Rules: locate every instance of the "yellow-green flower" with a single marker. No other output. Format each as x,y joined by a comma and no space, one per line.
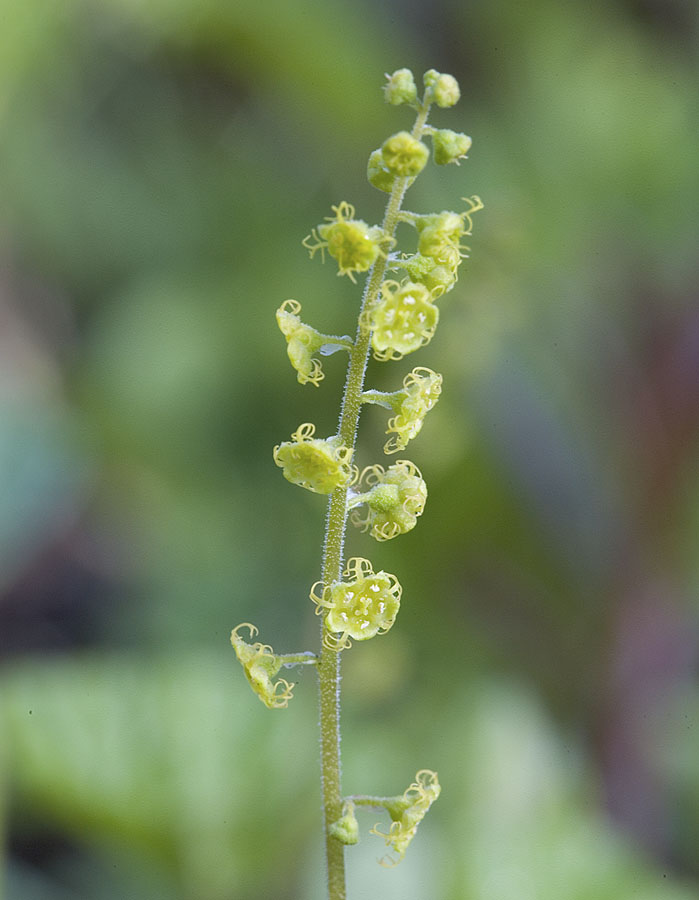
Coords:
439,238
445,229
421,390
443,251
393,499
303,342
261,666
354,244
404,319
440,250
407,812
448,225
318,465
365,603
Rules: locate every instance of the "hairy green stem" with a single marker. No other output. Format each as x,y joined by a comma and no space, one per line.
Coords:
329,660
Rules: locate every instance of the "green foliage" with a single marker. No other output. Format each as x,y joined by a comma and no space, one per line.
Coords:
153,760
165,766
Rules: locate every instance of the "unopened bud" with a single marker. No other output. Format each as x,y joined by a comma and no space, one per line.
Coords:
443,88
400,87
404,155
450,146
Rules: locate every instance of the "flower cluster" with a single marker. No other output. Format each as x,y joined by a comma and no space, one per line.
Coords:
354,244
440,250
261,666
407,812
393,500
365,603
403,155
315,464
397,317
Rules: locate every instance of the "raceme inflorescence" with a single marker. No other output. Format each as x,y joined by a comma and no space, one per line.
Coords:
398,315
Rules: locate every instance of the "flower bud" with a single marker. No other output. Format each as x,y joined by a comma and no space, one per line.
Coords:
437,278
402,321
346,829
317,465
444,89
449,146
365,603
404,155
378,174
400,87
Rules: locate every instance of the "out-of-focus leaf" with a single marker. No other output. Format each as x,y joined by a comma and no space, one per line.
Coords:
45,469
175,759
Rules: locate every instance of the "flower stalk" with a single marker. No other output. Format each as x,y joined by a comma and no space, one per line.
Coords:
336,524
354,601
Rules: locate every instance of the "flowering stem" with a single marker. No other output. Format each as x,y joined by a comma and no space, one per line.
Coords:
329,660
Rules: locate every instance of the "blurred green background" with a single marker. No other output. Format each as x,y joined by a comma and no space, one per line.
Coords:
160,164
